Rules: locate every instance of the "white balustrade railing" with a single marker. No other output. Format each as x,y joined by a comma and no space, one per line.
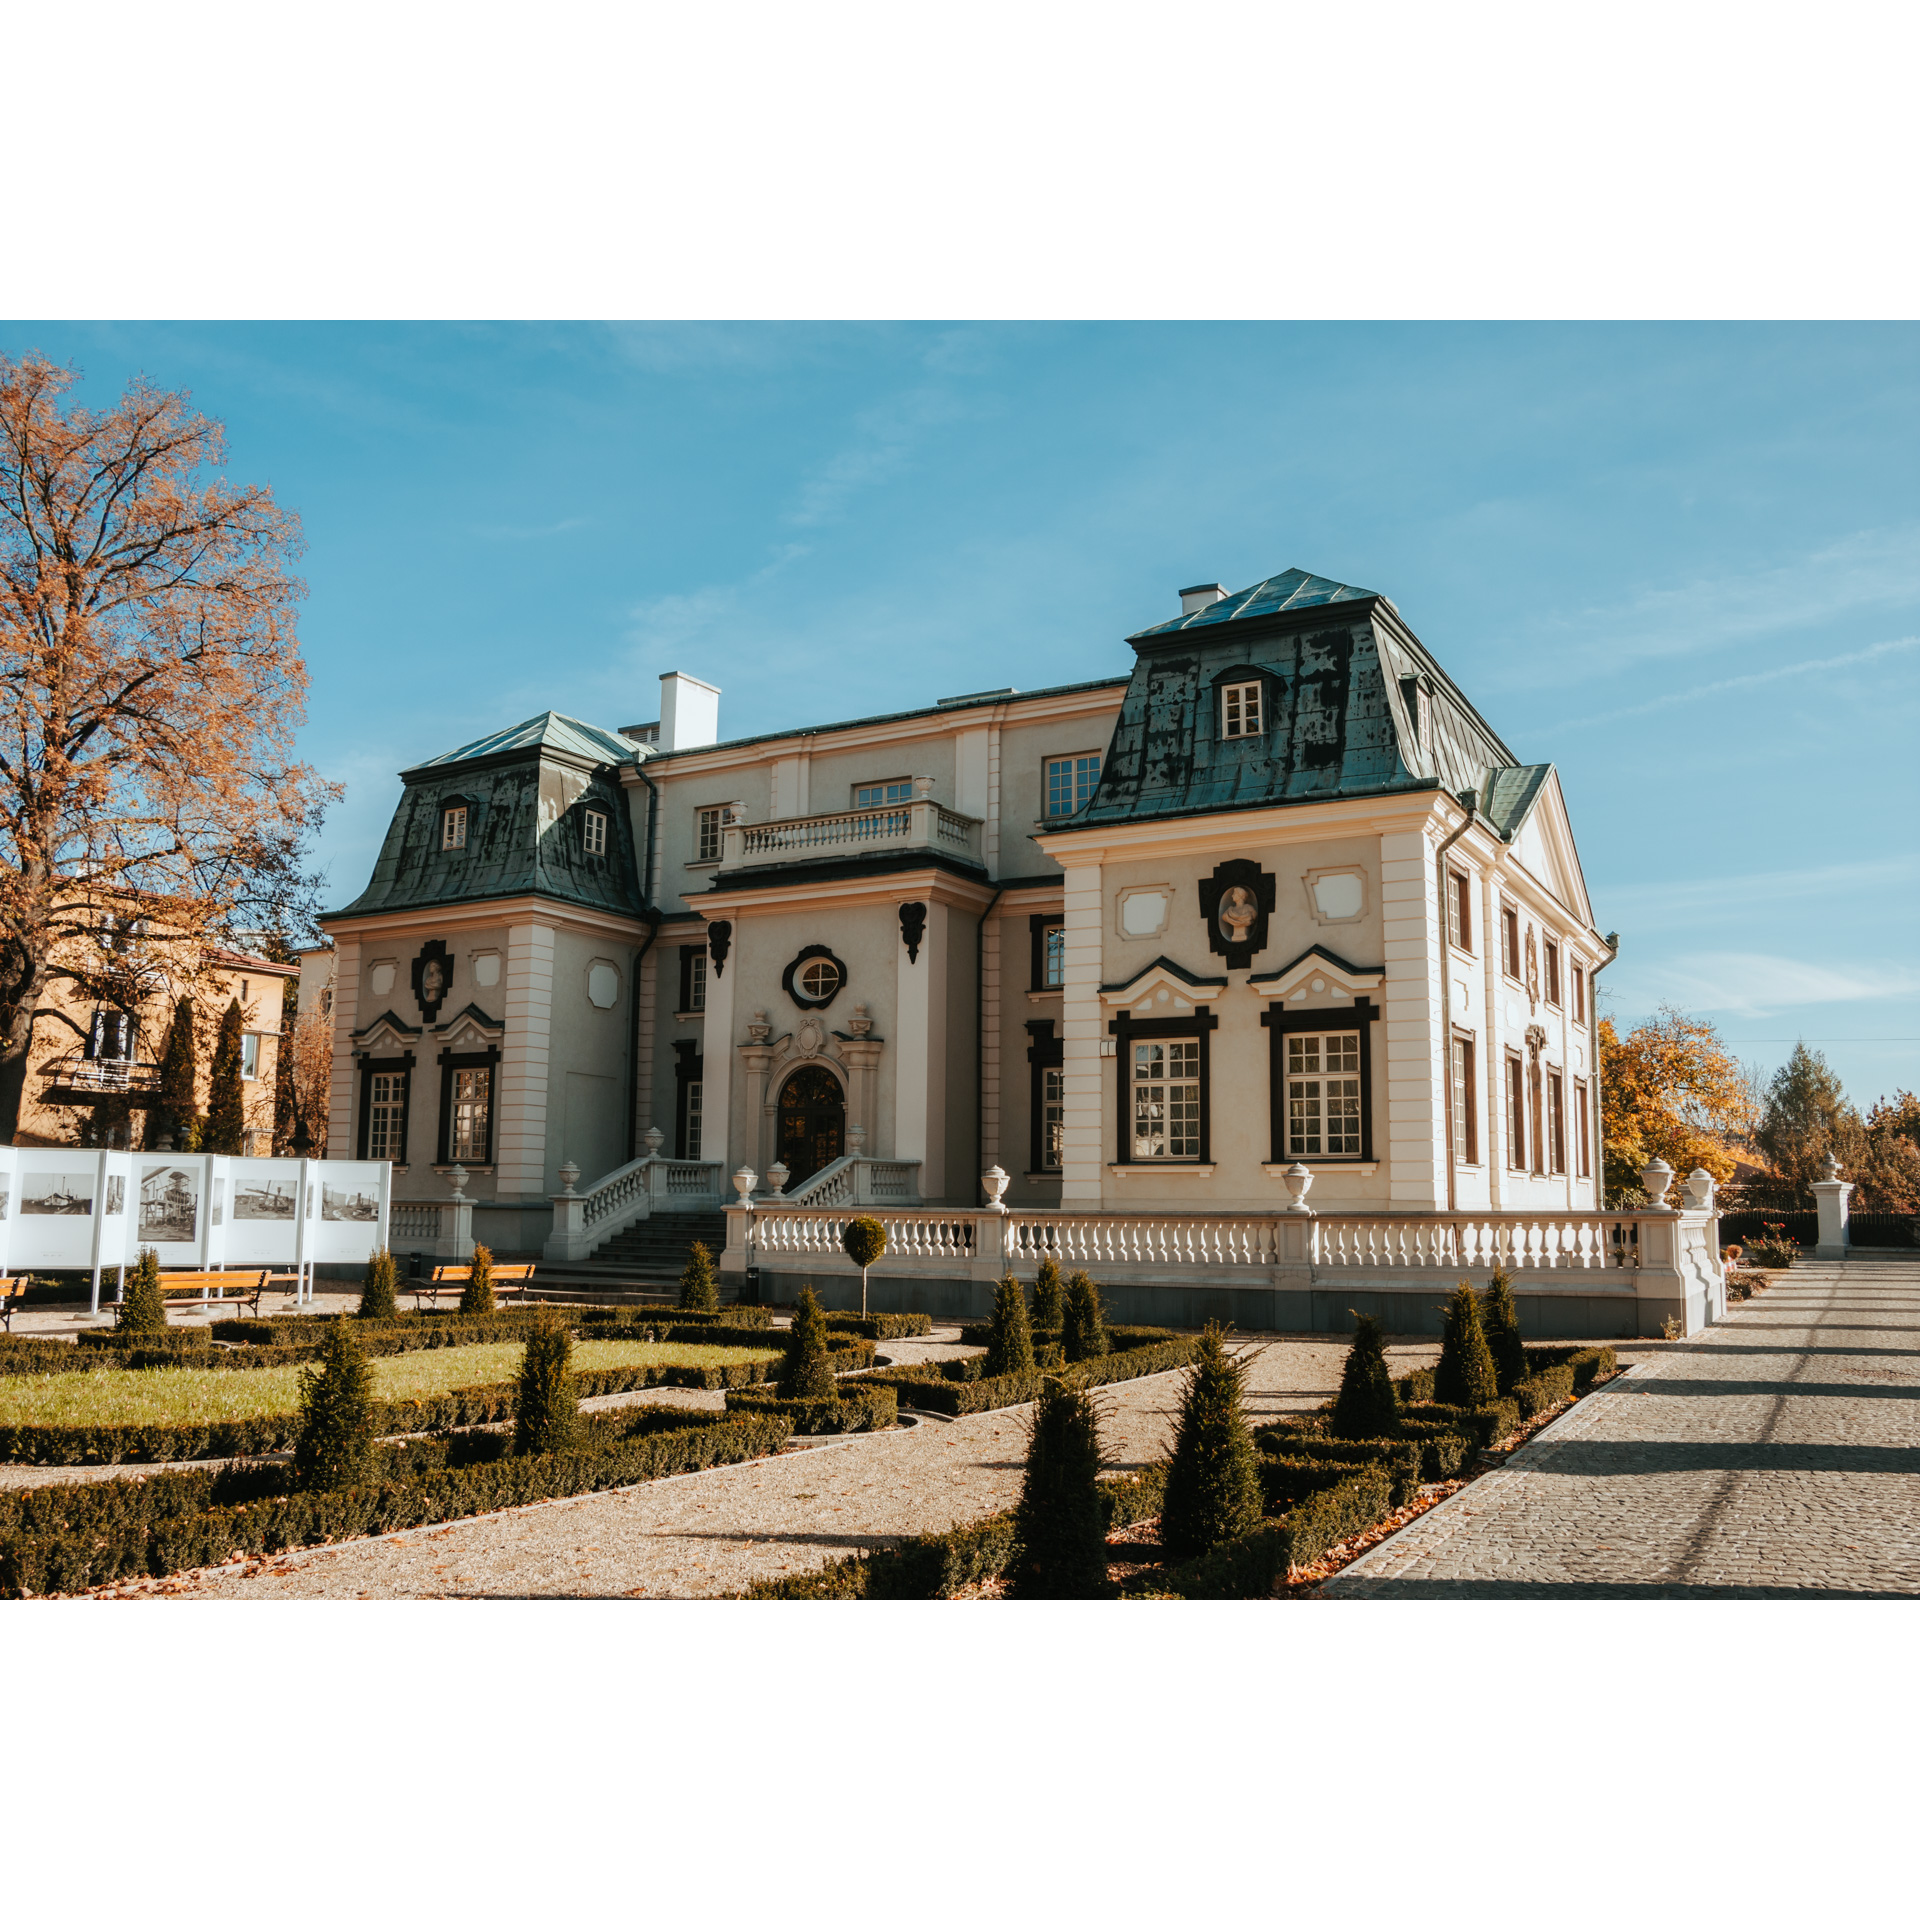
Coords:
920,822
587,1218
922,1234
854,1181
415,1219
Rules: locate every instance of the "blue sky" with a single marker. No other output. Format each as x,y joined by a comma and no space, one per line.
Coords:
1680,561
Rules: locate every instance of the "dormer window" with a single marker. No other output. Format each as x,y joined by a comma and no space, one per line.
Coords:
594,835
1242,711
453,829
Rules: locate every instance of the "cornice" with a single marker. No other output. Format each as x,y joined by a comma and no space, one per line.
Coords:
521,909
1258,828
925,883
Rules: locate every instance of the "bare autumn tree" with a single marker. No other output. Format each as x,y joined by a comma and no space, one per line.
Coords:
150,686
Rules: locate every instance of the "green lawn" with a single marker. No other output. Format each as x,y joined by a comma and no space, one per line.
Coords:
166,1395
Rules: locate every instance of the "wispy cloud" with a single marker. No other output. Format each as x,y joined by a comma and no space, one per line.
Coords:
1759,984
1669,903
671,621
884,440
1739,682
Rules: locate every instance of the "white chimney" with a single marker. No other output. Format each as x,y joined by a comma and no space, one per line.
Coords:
1196,599
689,712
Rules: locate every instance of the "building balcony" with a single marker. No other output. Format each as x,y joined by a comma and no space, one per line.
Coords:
919,825
79,1083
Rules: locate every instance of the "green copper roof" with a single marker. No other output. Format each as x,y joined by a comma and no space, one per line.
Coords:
1282,594
552,730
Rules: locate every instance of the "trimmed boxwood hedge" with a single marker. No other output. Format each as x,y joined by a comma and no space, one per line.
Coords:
175,1339
1590,1365
856,1408
1248,1568
943,1388
1544,1389
1294,1463
65,1539
881,1326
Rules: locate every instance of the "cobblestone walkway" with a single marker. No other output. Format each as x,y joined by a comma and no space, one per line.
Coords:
1777,1455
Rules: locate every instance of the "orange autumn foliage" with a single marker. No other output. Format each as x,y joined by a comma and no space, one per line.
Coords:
1669,1090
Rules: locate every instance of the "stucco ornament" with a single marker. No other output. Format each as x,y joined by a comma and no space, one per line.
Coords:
1533,974
1237,915
432,978
809,1036
1236,901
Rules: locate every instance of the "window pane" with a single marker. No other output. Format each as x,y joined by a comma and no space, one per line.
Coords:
249,1056
1053,1109
472,1100
453,827
710,824
386,1111
1323,1094
596,833
697,984
696,1093
1056,957
1166,1100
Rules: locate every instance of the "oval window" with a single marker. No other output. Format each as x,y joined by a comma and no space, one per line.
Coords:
818,980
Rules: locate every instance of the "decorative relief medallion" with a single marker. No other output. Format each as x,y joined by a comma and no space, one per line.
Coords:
1236,901
1533,974
432,978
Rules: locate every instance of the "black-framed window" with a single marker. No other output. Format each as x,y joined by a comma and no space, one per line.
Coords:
386,1089
1046,1054
1303,1079
693,979
1516,1112
689,1137
468,1083
1049,932
1466,1131
1163,1083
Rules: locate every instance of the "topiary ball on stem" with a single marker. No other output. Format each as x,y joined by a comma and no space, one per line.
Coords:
1213,1476
1465,1375
1060,1526
863,1240
477,1295
143,1307
1009,1338
1500,1315
379,1294
698,1293
1368,1408
808,1373
1083,1325
1049,1303
336,1445
547,1409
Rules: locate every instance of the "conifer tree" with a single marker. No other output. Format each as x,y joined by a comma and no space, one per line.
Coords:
547,1413
1009,1338
1500,1316
226,1126
1083,1328
177,1113
379,1293
336,1444
808,1373
477,1295
1368,1407
1465,1375
698,1294
143,1307
1060,1526
1048,1303
1213,1478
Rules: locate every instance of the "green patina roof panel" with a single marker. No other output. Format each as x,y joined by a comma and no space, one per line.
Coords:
555,730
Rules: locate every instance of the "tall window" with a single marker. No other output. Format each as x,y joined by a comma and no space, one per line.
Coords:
693,979
885,793
691,1124
1166,1099
1579,991
453,828
472,1132
593,835
1459,910
1054,959
1241,713
387,1117
1556,1122
1323,1094
1053,1117
1070,783
1551,949
709,827
1538,1102
1583,1131
1510,942
249,1056
1466,1145
1516,1113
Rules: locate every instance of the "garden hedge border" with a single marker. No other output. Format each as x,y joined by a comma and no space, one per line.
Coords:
856,1408
935,1390
881,1326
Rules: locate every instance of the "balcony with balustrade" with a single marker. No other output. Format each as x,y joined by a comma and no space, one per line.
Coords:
76,1082
920,825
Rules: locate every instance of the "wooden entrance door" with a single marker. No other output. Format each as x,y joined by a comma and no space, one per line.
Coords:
813,1123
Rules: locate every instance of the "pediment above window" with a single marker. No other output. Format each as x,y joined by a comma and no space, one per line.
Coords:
1319,976
383,1024
1162,988
471,1022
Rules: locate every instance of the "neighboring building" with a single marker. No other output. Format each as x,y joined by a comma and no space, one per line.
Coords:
1277,895
99,1086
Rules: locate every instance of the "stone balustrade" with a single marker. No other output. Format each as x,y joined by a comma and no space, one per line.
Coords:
918,823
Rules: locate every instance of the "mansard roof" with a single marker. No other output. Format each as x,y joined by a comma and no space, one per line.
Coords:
525,788
1342,673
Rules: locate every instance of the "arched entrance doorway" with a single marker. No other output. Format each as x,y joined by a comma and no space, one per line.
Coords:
813,1123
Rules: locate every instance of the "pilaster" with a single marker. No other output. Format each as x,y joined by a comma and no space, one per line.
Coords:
341,1144
520,1118
1416,1130
1081,1032
920,1070
716,1062
990,1041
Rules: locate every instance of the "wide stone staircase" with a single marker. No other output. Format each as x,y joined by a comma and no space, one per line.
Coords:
641,1265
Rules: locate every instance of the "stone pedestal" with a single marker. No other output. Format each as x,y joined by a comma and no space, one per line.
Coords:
1830,1196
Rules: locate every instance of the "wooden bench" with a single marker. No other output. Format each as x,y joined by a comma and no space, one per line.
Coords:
509,1283
12,1291
249,1285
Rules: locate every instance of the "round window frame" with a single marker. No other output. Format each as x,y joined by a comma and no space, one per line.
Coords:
790,980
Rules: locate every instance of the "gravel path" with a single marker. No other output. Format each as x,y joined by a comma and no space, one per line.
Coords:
1776,1455
705,1535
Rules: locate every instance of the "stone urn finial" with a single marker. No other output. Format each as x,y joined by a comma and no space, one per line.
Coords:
569,1176
744,1182
1298,1180
996,1180
653,1140
860,1021
923,786
457,1179
1834,1169
857,1141
1699,1190
777,1179
758,1027
1656,1176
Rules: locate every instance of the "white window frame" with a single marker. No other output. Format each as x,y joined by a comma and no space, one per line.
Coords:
869,795
453,829
709,831
1082,776
1053,959
1053,1118
1243,709
696,1115
1322,1069
697,981
249,1056
471,1119
593,834
1167,1128
386,1114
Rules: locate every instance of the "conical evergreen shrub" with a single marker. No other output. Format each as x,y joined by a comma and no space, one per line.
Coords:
379,1293
226,1125
808,1373
1368,1407
336,1448
143,1307
1009,1338
1049,1303
477,1295
1213,1477
698,1292
1465,1375
1060,1526
1083,1326
1501,1318
547,1413
177,1113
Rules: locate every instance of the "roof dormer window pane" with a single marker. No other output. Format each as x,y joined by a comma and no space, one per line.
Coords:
453,828
1240,711
594,835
